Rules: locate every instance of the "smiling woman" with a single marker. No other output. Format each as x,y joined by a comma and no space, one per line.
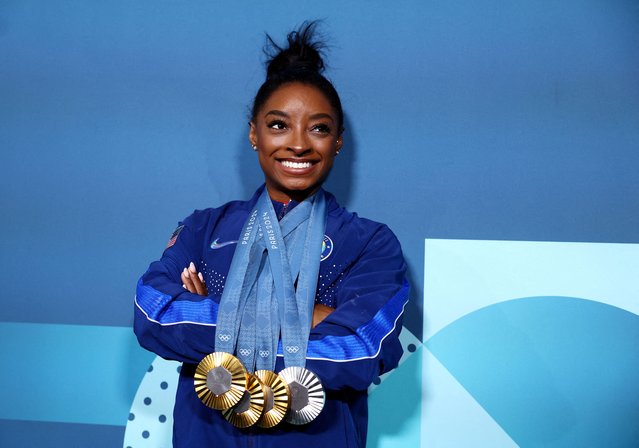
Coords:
297,136
284,308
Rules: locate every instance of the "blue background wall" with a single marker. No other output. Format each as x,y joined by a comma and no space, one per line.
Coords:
465,119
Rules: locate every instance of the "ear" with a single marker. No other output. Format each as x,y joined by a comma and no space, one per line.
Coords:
340,142
252,134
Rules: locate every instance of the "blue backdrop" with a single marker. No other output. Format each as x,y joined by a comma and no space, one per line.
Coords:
465,119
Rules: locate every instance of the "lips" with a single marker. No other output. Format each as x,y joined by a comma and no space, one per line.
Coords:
297,167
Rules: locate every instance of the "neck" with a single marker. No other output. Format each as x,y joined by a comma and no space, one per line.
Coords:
287,196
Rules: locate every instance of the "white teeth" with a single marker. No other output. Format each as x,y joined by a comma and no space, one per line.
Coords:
288,164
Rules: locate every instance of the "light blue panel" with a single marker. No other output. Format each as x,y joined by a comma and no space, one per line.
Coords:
462,276
69,373
451,417
552,371
520,362
394,407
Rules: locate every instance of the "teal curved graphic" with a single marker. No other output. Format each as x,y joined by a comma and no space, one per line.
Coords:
69,373
551,371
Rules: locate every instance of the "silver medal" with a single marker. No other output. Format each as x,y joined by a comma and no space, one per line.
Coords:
307,395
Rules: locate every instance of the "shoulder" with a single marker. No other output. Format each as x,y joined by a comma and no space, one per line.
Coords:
357,234
230,212
341,220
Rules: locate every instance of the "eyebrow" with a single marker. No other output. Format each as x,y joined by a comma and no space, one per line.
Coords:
316,116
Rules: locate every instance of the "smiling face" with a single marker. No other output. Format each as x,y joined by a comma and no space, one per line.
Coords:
297,136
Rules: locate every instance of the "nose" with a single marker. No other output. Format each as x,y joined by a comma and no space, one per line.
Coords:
299,142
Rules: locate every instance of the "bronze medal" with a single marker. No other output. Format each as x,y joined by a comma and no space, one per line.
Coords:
306,394
249,409
220,380
276,398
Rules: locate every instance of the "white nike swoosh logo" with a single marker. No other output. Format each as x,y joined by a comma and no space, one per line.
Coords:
216,245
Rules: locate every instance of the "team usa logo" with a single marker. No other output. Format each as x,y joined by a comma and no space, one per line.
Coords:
327,248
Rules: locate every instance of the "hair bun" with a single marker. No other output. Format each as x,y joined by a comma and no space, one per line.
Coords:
302,54
300,61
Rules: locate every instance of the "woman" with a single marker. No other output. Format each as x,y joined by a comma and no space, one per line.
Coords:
351,268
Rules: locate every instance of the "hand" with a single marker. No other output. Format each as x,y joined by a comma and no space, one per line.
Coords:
320,312
193,281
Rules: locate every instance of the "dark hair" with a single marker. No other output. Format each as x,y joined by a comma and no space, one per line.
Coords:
300,62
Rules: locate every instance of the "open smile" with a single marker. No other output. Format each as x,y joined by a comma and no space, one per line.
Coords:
296,165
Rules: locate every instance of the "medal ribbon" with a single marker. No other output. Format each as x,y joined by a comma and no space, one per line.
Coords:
260,284
295,303
238,284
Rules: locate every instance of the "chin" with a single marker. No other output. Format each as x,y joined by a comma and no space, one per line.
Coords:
299,193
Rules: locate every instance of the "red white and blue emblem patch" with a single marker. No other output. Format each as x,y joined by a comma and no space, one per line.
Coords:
174,237
327,248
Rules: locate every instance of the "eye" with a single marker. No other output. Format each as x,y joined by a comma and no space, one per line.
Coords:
321,128
276,124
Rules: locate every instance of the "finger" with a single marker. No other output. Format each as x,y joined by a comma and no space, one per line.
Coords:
187,281
197,279
193,282
198,282
204,288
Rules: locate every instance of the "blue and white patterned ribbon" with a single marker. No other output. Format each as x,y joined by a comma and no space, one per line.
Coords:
271,284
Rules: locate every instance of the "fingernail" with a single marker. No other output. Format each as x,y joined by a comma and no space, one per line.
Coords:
192,267
185,272
184,286
200,276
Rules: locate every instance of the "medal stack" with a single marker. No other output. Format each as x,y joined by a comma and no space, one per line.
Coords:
262,398
266,279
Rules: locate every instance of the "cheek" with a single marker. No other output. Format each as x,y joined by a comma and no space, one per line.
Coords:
270,140
262,159
329,151
328,162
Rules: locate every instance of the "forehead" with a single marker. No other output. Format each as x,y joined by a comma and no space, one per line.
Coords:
298,98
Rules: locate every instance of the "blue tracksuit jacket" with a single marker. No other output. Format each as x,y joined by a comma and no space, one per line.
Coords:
361,276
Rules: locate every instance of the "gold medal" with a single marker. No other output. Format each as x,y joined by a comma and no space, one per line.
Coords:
306,395
276,398
249,409
220,380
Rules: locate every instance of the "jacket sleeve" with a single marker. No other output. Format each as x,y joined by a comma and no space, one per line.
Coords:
360,340
169,320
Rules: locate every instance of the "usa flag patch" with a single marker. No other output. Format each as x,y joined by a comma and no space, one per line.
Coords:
174,237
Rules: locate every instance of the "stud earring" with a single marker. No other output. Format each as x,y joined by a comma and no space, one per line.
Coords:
254,147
